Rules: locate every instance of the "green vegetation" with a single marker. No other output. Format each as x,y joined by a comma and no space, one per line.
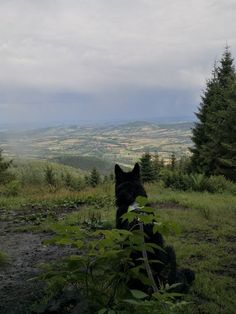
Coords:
206,242
86,163
147,168
94,178
103,273
178,175
214,138
5,176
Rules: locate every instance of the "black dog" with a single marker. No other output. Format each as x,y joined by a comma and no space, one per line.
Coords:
128,187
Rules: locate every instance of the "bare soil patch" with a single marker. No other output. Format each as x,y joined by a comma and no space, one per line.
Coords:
25,251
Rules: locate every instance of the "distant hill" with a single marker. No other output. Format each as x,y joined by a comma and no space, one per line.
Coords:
100,146
86,163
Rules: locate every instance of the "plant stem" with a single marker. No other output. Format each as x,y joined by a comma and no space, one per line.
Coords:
146,263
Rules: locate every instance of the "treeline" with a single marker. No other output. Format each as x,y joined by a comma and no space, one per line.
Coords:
179,174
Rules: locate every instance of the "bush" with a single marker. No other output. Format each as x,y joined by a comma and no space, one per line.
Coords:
196,182
50,176
175,179
30,175
5,175
219,184
12,188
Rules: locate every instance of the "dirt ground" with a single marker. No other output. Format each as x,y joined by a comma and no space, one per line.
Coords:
25,251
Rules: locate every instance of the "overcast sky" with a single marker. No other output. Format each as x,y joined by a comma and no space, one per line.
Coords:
73,60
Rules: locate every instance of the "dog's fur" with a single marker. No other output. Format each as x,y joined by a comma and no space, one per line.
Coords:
128,187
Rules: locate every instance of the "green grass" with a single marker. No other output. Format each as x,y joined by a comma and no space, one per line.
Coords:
48,198
196,200
205,244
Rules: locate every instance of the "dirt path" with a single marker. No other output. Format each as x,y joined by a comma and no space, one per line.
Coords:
25,250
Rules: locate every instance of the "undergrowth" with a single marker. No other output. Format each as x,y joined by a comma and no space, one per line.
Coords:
104,269
206,242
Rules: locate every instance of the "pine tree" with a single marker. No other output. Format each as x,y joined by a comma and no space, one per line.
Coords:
212,129
172,161
201,132
227,159
94,178
147,171
156,164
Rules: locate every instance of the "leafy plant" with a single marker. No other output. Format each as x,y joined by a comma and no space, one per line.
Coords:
104,269
199,182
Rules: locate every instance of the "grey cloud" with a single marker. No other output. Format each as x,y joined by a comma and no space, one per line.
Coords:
50,49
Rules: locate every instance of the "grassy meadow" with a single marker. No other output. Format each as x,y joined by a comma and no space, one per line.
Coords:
206,241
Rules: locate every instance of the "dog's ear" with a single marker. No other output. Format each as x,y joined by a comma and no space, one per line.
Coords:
136,170
118,172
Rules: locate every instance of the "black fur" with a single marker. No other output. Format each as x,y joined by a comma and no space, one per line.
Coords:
128,187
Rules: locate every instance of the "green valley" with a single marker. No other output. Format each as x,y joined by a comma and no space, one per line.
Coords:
121,143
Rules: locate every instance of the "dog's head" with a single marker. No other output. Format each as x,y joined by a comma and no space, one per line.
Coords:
128,185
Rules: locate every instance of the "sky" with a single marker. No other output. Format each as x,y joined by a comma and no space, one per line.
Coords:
69,61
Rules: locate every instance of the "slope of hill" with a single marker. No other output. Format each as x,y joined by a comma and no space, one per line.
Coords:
33,171
86,163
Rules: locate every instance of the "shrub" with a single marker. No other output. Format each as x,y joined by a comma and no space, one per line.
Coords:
198,182
175,179
71,182
5,175
12,188
219,184
50,176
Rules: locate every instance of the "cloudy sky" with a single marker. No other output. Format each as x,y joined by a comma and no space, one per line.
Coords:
101,60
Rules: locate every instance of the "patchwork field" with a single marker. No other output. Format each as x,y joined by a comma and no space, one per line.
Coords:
123,143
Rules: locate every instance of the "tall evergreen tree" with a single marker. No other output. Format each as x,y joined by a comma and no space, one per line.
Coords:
156,165
172,161
227,159
212,129
147,171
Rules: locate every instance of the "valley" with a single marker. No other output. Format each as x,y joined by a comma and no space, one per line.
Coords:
123,143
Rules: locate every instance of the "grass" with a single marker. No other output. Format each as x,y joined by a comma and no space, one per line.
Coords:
206,243
49,198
